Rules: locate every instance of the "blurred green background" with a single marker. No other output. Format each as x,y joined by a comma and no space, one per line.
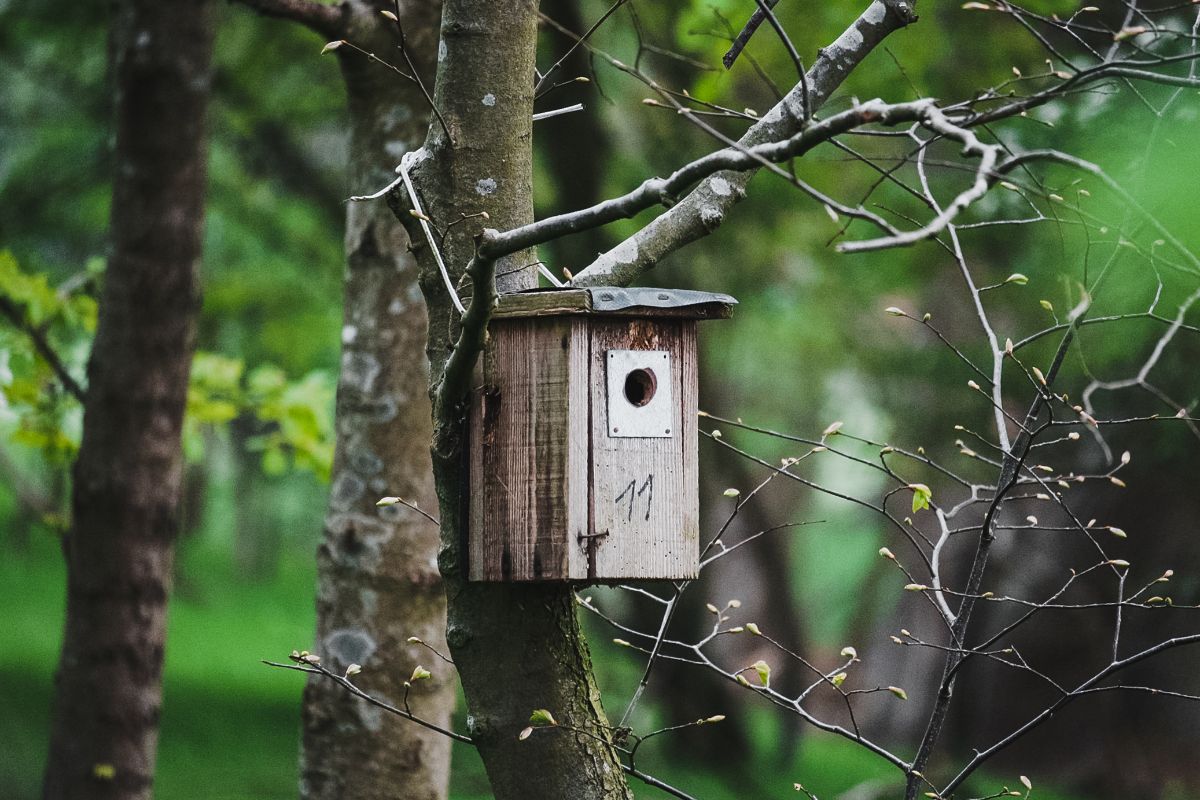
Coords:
810,344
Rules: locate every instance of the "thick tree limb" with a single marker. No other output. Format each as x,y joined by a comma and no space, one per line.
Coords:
723,175
705,207
326,20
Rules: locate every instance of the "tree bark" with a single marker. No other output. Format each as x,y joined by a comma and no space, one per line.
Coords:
518,647
127,477
378,582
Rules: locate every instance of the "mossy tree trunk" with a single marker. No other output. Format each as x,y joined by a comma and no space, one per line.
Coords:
378,583
517,647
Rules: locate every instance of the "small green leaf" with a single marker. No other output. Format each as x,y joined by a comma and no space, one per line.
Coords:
1017,278
764,672
542,717
922,496
420,674
896,690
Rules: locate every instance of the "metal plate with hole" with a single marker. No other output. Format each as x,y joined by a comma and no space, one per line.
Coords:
639,394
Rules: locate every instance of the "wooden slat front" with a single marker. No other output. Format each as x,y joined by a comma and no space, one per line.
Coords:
643,500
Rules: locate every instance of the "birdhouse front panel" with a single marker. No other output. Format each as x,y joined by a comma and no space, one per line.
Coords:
643,449
583,461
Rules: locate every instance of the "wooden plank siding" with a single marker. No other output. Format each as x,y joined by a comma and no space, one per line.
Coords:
640,491
553,495
526,480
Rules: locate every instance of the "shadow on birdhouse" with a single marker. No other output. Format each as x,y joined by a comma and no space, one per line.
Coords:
583,436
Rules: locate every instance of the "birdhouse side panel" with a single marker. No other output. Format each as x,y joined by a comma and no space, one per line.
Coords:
643,496
528,495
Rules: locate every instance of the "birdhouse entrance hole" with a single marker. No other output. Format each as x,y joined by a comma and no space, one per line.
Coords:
640,386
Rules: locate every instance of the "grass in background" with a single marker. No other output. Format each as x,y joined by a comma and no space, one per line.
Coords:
230,727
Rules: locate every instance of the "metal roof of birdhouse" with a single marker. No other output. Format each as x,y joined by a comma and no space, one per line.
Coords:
616,301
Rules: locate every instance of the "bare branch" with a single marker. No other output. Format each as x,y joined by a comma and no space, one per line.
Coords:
455,381
728,161
765,8
743,38
303,662
1013,460
705,207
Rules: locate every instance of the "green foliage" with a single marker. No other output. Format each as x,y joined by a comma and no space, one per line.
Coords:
921,496
292,420
34,409
43,305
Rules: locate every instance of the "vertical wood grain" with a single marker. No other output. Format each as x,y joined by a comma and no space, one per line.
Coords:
578,449
520,505
640,493
689,395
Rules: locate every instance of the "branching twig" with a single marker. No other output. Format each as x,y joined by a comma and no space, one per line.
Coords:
16,316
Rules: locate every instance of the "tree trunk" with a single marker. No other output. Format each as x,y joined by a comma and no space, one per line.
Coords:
378,582
127,477
518,647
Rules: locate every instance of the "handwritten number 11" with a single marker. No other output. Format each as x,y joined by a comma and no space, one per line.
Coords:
634,492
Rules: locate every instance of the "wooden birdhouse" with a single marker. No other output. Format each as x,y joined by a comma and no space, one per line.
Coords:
583,436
